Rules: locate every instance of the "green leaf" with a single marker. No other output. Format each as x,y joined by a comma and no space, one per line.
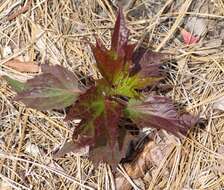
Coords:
15,84
126,86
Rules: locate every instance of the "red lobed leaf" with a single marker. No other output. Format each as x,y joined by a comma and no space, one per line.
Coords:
129,51
120,35
160,113
45,98
44,80
146,67
104,153
111,62
108,63
125,70
81,109
56,88
103,124
109,120
148,63
99,125
100,45
66,77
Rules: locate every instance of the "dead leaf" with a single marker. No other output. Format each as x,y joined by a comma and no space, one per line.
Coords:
137,168
197,26
188,37
156,155
32,149
125,4
219,104
122,183
30,66
146,163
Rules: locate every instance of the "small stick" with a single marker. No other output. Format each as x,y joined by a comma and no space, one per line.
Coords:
20,11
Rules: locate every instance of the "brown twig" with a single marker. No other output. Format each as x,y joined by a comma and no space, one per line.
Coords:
20,11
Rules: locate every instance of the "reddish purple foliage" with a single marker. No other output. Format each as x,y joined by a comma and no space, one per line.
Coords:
104,105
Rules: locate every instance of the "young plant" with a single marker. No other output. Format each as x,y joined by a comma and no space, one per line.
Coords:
115,98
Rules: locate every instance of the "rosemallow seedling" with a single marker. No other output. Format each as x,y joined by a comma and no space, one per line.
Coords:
111,100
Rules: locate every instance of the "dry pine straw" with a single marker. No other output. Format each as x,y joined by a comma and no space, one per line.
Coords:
53,30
